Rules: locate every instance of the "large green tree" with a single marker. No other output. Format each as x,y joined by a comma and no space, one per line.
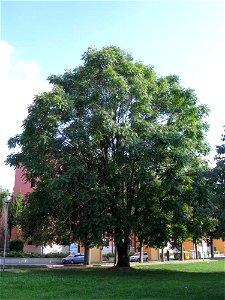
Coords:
111,142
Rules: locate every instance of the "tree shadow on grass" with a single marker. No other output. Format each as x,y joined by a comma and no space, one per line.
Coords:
184,281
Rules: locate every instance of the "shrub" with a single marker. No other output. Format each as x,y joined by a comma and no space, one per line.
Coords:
55,255
13,254
16,245
110,255
33,254
107,255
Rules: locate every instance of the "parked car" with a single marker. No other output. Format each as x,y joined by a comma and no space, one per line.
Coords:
136,256
77,258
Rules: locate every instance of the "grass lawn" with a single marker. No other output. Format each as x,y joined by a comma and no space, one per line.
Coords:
199,280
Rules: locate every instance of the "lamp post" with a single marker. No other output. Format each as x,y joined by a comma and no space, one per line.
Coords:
7,202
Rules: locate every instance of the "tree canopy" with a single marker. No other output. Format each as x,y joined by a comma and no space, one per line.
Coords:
112,145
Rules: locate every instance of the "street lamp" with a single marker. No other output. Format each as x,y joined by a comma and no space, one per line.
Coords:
7,202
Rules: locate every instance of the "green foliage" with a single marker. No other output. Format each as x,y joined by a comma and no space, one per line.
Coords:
3,195
107,255
112,145
33,254
55,255
217,181
16,210
195,204
16,245
19,254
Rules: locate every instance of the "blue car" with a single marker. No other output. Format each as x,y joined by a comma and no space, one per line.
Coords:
77,258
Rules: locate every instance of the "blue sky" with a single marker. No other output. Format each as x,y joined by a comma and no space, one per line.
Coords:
39,38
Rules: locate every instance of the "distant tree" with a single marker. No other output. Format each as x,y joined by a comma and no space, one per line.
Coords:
3,195
199,195
15,213
217,181
183,213
110,145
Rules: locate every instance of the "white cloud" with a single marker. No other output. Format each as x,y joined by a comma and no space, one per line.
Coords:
28,71
6,52
20,81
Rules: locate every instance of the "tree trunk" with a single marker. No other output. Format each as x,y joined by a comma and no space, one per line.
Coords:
87,255
211,246
196,250
122,248
141,253
181,252
115,257
86,252
162,255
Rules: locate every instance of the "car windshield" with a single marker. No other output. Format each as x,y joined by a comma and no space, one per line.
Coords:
136,254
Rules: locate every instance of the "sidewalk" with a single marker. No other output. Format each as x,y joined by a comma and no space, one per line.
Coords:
56,263
30,261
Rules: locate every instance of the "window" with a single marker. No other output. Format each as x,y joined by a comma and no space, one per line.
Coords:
33,183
